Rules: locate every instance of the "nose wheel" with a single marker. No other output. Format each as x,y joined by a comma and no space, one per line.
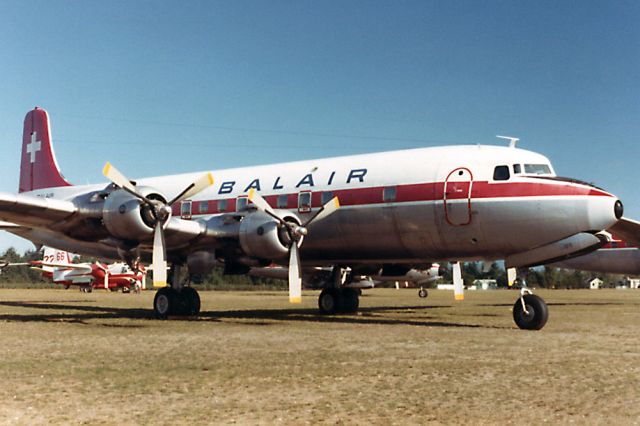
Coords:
530,312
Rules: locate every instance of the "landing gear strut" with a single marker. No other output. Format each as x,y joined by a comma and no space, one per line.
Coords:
176,300
530,312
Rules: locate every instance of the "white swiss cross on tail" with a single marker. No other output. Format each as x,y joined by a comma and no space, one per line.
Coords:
34,147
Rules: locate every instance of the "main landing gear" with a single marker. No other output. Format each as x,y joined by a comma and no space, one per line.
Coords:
171,302
176,300
338,300
530,312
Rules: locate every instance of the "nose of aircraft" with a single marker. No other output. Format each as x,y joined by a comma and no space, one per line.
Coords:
618,209
604,211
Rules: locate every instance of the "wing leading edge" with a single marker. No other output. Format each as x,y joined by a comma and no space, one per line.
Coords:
28,211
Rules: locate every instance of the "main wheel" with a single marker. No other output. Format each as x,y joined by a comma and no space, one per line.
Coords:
330,301
350,300
537,316
423,293
193,300
164,302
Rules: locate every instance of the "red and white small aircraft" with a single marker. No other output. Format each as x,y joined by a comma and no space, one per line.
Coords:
57,266
409,207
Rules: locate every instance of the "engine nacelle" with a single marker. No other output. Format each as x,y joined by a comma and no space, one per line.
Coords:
128,218
261,236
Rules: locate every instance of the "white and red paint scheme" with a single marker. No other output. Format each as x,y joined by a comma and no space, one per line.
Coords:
57,266
409,207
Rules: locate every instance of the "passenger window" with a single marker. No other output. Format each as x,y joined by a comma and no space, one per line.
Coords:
389,194
304,202
203,207
326,197
501,173
185,210
241,204
222,206
517,168
283,201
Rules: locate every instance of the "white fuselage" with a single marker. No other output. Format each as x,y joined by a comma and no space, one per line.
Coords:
429,204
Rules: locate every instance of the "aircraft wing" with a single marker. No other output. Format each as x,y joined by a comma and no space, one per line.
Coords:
27,211
81,267
627,230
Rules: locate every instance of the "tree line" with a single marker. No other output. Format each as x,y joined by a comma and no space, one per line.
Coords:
541,277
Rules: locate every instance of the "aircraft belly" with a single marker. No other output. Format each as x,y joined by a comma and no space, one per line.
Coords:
516,225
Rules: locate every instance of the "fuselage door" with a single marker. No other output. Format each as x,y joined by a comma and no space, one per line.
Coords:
457,197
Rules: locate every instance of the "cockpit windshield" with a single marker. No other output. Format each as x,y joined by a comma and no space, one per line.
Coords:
537,169
532,169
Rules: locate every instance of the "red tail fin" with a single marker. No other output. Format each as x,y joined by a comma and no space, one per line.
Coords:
38,168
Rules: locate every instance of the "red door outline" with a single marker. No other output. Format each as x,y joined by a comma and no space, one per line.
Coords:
457,186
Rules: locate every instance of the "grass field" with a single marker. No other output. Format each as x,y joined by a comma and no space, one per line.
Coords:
101,358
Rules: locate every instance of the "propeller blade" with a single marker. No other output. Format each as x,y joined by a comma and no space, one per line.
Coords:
458,283
159,258
202,183
295,281
121,181
118,178
511,276
262,205
106,280
330,207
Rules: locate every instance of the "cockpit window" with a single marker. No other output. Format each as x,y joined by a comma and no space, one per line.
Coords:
517,168
537,169
501,173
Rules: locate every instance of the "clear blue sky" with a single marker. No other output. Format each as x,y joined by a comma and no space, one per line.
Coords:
162,87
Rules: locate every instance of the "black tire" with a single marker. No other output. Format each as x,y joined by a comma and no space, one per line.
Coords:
164,302
193,300
423,293
350,300
330,301
538,313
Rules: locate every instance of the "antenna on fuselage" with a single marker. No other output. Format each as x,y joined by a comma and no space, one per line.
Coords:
512,141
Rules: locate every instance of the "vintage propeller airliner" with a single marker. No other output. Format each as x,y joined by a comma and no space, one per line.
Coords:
391,211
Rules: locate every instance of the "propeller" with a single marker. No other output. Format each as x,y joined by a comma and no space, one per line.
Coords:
161,212
296,233
458,283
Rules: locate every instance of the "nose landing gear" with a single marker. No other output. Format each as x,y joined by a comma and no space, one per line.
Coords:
530,312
